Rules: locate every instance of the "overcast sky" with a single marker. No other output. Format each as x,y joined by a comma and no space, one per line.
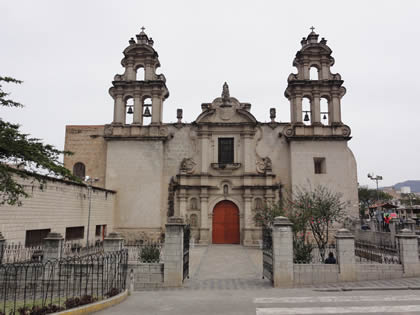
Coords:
67,53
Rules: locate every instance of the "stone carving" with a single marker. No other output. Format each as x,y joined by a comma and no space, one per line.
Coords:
288,131
346,130
225,92
187,166
264,165
272,114
108,130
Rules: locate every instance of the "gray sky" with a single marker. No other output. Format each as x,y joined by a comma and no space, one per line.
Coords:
67,53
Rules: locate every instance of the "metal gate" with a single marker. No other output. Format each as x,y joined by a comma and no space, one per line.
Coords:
267,249
186,259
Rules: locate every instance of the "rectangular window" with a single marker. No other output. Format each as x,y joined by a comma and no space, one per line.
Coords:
75,233
226,151
98,230
319,166
35,237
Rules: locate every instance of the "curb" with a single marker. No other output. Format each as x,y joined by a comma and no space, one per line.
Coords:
97,306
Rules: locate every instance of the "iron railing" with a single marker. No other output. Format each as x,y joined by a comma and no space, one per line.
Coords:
267,248
372,253
186,254
61,284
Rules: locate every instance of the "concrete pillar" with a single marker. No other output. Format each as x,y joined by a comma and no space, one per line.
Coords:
204,227
53,246
2,247
316,109
138,110
156,109
113,242
174,252
282,253
298,109
119,110
409,255
345,255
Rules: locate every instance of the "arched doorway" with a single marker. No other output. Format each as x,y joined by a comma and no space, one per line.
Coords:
226,223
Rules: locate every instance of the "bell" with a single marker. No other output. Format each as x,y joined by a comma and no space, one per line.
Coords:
130,110
306,117
325,117
147,112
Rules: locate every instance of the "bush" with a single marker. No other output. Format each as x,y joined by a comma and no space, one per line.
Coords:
75,302
39,310
149,253
112,292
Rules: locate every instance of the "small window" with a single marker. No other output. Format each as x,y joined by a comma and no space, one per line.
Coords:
35,237
98,230
226,151
319,165
75,233
79,170
193,203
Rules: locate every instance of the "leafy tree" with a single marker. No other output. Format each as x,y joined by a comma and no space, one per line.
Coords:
410,199
23,157
368,197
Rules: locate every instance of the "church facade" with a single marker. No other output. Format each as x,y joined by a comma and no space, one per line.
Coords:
217,170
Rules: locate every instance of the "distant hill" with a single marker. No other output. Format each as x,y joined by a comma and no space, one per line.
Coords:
413,184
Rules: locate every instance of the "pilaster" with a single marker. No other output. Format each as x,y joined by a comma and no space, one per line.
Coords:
408,247
174,252
52,246
345,255
282,253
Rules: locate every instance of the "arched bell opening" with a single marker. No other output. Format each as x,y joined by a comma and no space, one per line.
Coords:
147,111
313,73
140,74
325,117
306,111
129,105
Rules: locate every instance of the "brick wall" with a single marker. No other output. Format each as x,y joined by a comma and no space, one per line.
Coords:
57,205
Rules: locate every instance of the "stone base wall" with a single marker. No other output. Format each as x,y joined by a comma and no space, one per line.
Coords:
304,274
379,271
146,276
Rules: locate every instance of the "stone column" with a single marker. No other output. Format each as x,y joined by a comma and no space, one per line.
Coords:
316,109
149,72
345,255
182,198
119,110
138,110
174,252
2,247
409,253
297,109
113,242
335,109
53,246
156,109
247,238
204,226
282,253
130,73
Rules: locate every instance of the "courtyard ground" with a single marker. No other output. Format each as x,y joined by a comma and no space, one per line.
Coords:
226,279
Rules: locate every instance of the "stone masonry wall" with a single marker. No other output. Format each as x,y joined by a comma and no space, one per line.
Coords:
146,276
59,204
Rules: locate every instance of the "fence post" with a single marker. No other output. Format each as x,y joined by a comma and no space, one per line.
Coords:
409,255
2,247
345,255
52,246
113,242
282,252
174,252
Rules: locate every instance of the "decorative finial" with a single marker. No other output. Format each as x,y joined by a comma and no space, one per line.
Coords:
312,28
225,92
143,28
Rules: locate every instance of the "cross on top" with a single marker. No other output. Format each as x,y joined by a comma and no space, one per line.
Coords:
143,28
312,28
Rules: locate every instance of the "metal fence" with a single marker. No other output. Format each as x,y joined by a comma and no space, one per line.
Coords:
186,254
366,252
267,248
60,284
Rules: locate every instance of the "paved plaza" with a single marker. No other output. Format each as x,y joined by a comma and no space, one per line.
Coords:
226,279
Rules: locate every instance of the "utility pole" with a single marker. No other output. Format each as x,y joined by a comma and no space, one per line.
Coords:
376,178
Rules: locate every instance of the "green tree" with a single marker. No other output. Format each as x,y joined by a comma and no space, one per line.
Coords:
23,157
368,197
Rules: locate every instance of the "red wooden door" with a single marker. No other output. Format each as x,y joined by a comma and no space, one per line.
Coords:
225,223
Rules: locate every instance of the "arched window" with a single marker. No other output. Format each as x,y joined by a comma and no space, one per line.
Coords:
79,170
129,110
225,189
193,203
324,111
147,111
193,220
306,111
313,73
140,74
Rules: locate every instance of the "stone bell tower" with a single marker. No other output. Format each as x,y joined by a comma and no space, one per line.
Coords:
139,57
315,55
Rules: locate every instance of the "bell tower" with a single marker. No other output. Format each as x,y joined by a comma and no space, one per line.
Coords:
315,82
138,83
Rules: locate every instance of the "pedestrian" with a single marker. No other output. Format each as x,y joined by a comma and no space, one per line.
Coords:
331,259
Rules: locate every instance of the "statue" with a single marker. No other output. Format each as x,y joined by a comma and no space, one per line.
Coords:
225,92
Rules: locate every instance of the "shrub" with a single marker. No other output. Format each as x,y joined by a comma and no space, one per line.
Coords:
149,253
39,310
112,292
